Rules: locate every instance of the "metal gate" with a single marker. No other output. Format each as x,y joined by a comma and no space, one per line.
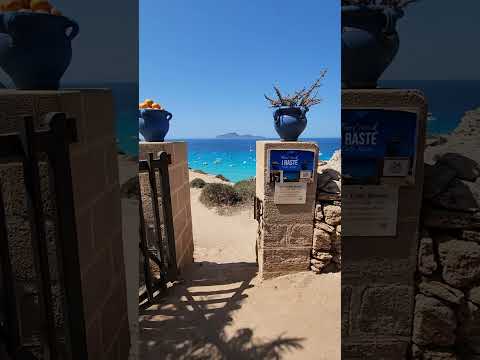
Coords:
54,341
157,238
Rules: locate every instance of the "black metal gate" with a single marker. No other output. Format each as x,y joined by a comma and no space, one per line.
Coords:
157,238
67,340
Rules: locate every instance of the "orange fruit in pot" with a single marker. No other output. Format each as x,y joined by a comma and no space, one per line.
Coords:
12,5
149,102
156,106
40,5
143,106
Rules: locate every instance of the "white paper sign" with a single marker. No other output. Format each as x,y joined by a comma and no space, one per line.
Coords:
290,193
369,210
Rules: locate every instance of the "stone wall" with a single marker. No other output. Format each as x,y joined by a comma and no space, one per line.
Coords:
447,302
179,193
97,209
326,251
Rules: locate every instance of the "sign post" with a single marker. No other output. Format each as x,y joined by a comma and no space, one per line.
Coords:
286,188
383,134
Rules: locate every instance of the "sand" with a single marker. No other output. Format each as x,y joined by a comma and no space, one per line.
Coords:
222,310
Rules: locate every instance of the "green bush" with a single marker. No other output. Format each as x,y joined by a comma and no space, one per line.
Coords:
216,194
245,189
221,177
197,183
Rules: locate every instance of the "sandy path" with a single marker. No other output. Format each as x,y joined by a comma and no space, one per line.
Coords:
222,310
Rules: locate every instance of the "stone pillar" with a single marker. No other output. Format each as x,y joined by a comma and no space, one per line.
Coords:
285,234
97,211
378,270
179,193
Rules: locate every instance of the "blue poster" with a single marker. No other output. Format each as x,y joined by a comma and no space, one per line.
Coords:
291,165
376,144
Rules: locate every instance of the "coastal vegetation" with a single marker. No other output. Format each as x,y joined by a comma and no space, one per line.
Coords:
198,183
219,195
246,190
304,98
225,195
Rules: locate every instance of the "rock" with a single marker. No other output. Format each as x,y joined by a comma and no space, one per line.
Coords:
466,168
449,219
474,295
318,212
322,240
325,196
471,235
323,226
335,163
426,257
436,179
461,262
435,140
339,229
434,323
442,291
332,187
325,176
315,269
417,353
469,328
439,355
337,244
333,214
321,257
458,196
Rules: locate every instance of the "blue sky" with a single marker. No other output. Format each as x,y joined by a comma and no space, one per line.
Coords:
210,62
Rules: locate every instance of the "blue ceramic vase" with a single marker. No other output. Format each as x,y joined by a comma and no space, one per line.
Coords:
35,48
369,43
153,124
290,122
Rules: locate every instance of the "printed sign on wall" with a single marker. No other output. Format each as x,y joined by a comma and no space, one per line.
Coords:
369,210
291,166
378,146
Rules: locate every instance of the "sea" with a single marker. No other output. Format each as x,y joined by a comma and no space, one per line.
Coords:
236,159
448,100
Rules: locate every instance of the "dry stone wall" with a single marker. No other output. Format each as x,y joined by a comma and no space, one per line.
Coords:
326,251
447,303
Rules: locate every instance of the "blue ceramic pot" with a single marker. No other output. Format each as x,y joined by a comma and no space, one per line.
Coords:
369,43
290,122
35,48
153,124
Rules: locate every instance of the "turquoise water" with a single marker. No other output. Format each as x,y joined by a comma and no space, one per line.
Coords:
236,159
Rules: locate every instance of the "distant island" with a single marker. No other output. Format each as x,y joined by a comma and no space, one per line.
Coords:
234,135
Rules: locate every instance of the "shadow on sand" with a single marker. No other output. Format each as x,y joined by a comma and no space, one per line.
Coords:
190,323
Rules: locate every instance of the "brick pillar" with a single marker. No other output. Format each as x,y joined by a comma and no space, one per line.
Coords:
285,232
97,209
179,193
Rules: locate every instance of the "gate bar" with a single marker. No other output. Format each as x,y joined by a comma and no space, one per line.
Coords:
64,132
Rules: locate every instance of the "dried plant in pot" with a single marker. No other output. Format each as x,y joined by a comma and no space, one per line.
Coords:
370,40
289,117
